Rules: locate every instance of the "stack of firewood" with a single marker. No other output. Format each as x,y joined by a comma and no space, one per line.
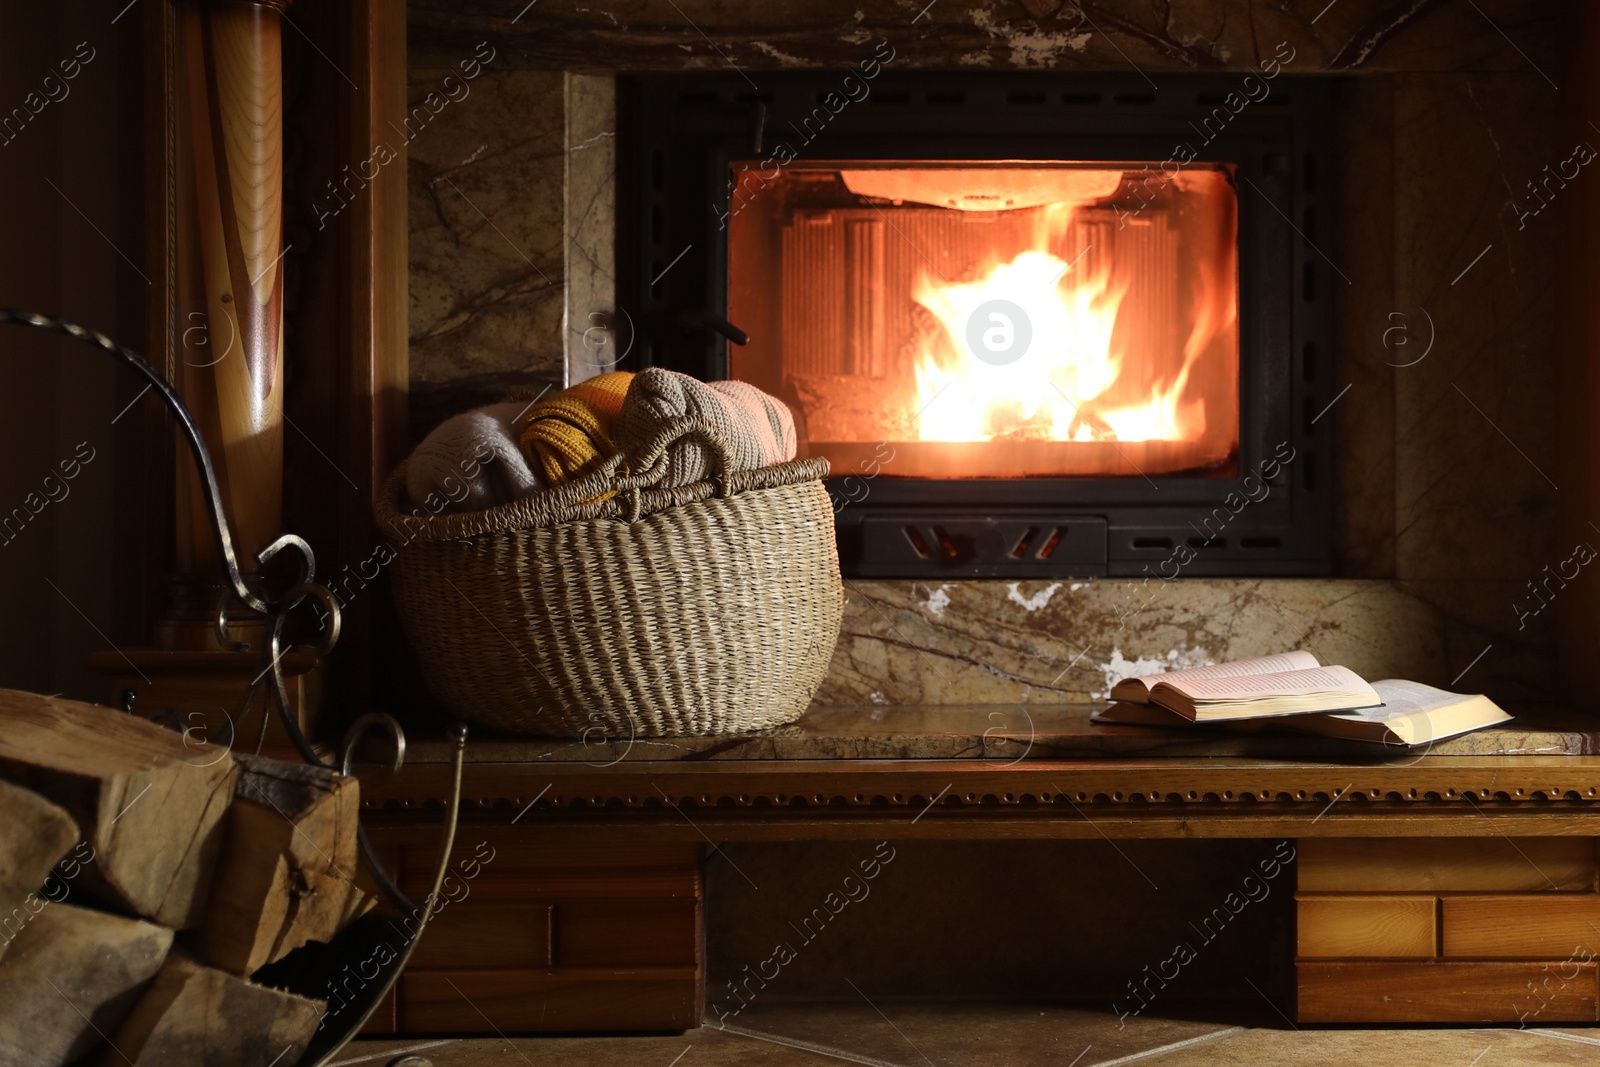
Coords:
145,876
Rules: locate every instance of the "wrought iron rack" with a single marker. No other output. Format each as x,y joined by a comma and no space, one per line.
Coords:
370,942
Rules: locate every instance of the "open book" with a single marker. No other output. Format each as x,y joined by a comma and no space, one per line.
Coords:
1257,695
1413,714
1137,690
1288,684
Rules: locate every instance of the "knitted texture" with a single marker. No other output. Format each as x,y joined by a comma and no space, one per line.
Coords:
759,428
569,434
471,461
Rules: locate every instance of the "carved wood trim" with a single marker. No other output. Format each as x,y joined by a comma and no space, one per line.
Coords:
1567,786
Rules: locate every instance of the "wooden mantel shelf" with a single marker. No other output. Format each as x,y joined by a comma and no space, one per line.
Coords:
1000,733
1020,772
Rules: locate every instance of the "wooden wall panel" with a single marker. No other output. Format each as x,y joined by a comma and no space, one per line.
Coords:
1367,926
1490,863
544,936
385,1017
1443,992
488,934
1575,402
511,847
1532,926
1510,921
642,934
509,884
345,336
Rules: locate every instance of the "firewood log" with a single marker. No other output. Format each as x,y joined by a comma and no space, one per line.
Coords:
71,976
287,872
198,1015
149,801
34,834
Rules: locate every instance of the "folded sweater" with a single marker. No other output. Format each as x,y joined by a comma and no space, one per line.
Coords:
472,461
569,434
759,428
496,454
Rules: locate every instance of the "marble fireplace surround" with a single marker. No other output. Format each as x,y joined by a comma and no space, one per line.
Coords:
1446,506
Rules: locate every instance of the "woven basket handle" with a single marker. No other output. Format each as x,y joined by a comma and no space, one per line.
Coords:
651,460
650,464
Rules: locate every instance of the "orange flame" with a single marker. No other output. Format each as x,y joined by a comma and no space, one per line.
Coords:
1058,389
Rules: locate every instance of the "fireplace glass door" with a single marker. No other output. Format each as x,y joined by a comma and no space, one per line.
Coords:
961,320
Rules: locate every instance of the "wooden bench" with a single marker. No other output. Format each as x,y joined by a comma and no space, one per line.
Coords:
1454,885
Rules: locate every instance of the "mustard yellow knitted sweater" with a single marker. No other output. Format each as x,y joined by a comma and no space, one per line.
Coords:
568,435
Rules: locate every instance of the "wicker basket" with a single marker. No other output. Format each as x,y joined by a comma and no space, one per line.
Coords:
709,608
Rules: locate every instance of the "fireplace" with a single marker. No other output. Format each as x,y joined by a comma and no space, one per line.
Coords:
970,317
1040,325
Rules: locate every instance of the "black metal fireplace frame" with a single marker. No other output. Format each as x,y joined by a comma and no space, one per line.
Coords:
681,131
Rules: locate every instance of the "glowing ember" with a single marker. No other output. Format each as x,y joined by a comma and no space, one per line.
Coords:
1031,351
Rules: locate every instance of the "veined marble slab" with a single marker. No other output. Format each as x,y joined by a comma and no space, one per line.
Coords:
1003,734
1067,641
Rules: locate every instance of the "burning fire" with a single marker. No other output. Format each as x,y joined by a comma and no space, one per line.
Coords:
1063,387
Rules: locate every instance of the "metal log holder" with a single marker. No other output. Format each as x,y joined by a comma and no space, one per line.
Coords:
375,947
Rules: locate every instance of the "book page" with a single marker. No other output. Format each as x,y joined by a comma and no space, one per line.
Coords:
1402,699
1386,713
1408,698
1283,683
1285,661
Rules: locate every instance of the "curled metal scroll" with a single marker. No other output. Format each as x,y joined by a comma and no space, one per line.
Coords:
202,459
361,936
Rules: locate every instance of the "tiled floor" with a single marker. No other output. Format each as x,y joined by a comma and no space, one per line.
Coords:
927,1034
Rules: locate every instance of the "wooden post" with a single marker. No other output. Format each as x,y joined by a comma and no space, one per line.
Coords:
230,279
344,342
218,134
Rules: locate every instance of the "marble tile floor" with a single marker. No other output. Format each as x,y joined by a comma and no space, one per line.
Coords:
937,1034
